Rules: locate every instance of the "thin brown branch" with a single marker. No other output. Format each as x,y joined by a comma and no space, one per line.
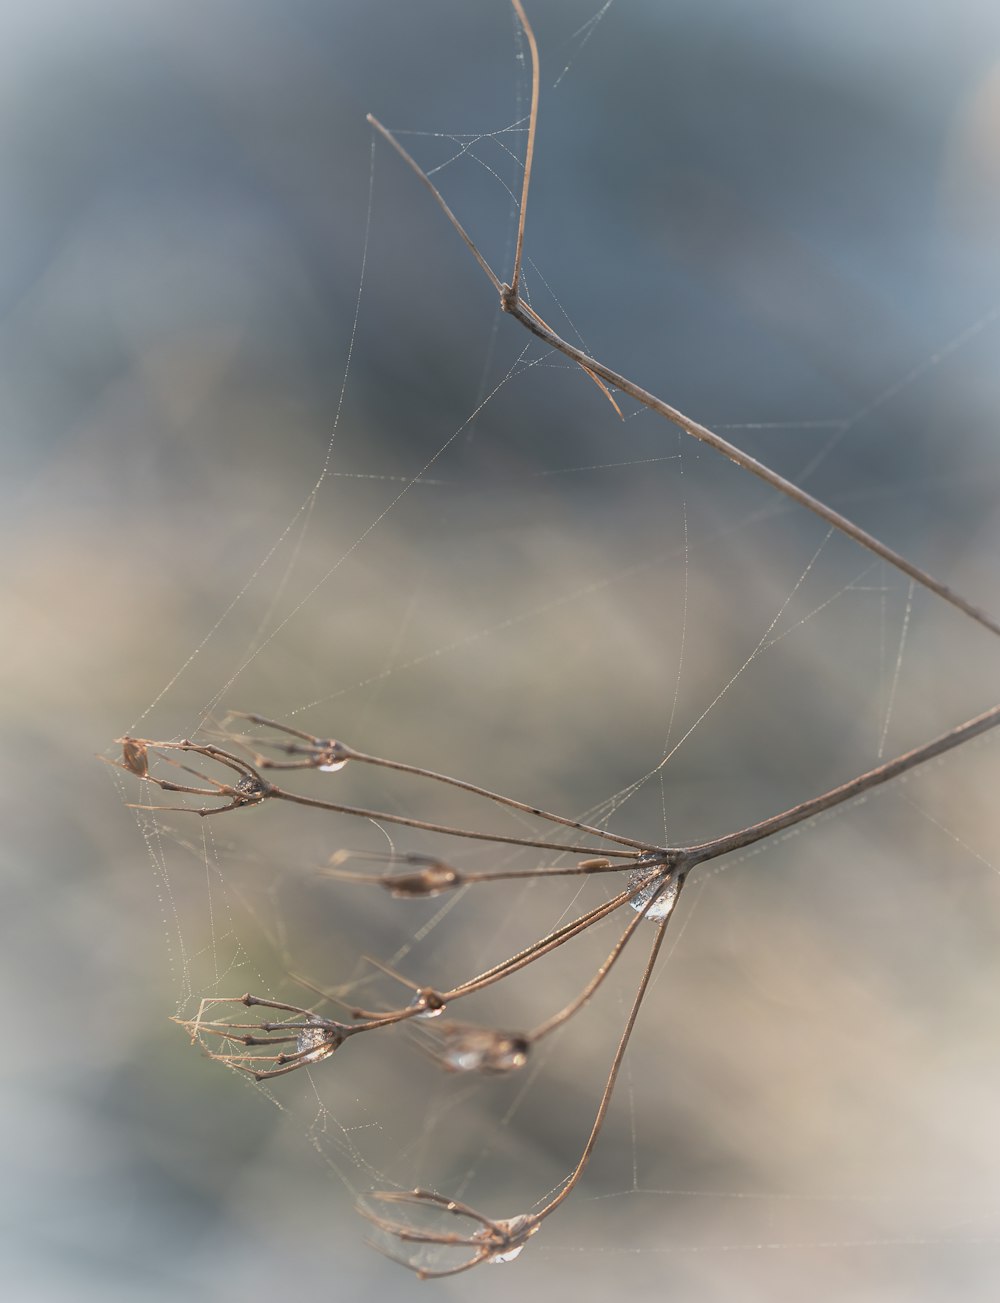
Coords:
408,158
846,791
253,789
511,303
575,1005
435,877
328,747
529,153
447,830
609,1087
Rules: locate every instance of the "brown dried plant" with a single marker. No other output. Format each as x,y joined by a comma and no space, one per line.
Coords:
242,763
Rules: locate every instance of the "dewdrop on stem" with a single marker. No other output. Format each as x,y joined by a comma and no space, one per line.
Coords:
518,1229
317,1042
663,906
429,1002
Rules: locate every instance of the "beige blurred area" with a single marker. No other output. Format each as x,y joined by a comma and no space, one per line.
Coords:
971,191
776,220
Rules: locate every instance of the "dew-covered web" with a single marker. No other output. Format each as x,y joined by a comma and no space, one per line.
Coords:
480,570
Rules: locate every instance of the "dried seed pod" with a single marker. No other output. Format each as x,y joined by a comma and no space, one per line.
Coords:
250,790
134,756
462,1047
312,1037
431,880
431,1224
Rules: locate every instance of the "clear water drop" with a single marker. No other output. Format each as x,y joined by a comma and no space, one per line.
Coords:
429,1003
509,1256
664,903
316,1042
518,1229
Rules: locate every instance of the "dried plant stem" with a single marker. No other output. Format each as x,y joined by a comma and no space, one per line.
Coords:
253,789
529,153
380,815
345,753
577,1004
846,791
512,303
616,1064
743,459
545,946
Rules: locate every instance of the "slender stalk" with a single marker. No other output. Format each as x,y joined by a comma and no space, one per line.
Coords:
543,947
515,279
496,797
846,791
319,746
575,1005
488,271
511,303
609,1088
279,794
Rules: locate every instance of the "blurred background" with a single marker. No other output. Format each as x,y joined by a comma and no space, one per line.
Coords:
783,219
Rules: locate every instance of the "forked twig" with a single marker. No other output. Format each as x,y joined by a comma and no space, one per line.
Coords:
253,789
501,1240
512,303
329,754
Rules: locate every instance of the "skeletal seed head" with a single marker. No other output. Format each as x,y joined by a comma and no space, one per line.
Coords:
517,1230
134,756
250,789
331,757
464,1048
431,880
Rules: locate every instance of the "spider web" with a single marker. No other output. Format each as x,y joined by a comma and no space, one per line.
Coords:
482,571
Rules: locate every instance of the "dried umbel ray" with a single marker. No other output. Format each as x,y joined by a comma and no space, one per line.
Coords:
423,1221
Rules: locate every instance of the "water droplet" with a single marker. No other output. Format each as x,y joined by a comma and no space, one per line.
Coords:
665,902
509,1256
329,756
429,1002
518,1229
316,1042
249,788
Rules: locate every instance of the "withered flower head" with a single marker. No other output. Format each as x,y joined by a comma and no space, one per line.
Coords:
426,1225
462,1047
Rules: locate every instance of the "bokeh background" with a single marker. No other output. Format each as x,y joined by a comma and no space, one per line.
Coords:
783,219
